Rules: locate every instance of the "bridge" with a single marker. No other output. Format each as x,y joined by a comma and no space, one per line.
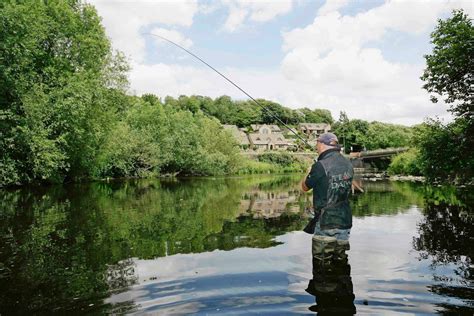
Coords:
373,160
364,155
379,153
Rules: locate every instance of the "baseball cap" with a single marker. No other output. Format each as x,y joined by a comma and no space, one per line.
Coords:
328,139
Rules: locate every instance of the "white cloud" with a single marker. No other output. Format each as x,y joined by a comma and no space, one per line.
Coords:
235,19
331,6
258,11
124,20
174,80
332,64
172,35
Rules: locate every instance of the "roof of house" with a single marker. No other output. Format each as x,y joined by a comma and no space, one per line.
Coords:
314,125
265,139
238,134
273,128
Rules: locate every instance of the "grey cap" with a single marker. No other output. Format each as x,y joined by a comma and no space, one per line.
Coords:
328,139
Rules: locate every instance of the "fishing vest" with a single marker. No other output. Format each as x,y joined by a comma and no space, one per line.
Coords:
337,211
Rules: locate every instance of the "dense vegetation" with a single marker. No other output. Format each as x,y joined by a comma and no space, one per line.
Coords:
243,113
446,151
360,134
64,112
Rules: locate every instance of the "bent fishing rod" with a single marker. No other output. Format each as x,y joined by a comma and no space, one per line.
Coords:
234,84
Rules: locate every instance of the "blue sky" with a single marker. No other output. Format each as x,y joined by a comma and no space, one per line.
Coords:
362,57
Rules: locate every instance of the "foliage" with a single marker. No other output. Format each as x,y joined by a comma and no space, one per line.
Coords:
316,116
447,150
56,71
245,113
449,69
383,135
162,139
64,113
359,134
284,159
272,163
406,163
444,152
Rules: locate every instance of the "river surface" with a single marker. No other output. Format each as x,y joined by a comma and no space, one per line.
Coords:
227,246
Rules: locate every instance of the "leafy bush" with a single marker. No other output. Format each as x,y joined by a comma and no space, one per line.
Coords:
283,159
406,163
272,163
446,151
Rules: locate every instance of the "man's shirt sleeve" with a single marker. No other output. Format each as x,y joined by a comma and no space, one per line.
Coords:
314,176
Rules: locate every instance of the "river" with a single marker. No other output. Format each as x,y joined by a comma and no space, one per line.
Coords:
226,246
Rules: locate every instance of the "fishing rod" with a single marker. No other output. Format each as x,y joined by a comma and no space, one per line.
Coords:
234,84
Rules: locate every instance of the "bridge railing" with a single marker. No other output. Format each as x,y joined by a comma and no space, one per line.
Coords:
378,153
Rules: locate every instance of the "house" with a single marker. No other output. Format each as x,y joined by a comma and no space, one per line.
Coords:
314,128
265,129
269,205
268,137
239,135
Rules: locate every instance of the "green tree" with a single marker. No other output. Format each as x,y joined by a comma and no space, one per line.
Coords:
442,151
449,69
447,151
384,135
317,116
351,133
405,164
56,74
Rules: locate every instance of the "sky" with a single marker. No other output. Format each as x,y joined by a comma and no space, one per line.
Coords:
361,57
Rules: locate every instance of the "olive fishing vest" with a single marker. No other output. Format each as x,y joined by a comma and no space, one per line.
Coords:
337,211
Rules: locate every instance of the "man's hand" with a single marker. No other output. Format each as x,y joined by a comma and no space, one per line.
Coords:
303,184
357,184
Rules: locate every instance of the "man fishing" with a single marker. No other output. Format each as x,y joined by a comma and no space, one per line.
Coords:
331,180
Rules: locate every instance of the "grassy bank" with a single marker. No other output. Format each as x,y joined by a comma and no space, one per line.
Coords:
273,163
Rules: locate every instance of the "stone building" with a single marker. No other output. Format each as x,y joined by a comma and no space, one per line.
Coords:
314,129
268,137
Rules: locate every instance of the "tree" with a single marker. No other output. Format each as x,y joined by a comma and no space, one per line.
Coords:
317,116
447,151
384,135
449,69
351,132
57,72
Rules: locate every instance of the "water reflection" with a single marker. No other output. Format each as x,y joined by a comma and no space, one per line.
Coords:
446,238
106,247
331,283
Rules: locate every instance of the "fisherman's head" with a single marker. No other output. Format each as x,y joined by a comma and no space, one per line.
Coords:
326,141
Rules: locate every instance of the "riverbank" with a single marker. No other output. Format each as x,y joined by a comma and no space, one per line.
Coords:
384,176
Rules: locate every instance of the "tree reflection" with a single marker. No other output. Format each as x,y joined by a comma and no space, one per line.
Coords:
66,248
445,237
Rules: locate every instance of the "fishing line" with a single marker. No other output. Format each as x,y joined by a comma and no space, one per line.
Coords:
234,84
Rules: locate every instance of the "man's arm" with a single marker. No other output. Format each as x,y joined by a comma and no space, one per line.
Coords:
309,182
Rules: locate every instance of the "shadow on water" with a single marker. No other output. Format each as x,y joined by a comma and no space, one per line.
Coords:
106,247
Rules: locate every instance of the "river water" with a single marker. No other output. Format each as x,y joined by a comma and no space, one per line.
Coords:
227,246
